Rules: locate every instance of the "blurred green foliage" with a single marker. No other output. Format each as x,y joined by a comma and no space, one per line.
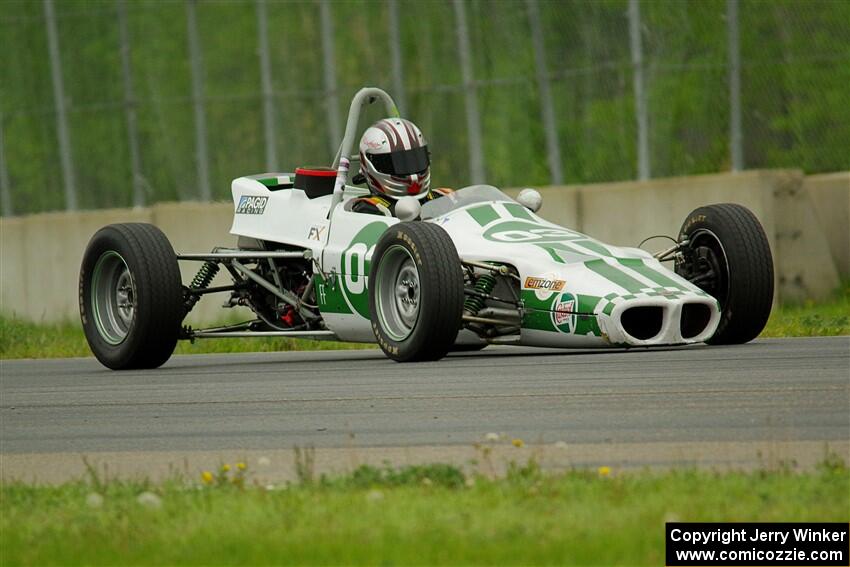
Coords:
795,89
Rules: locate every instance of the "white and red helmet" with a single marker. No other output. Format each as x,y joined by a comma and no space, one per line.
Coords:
394,159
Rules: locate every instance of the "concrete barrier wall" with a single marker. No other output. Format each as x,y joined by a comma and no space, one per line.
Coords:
40,254
830,196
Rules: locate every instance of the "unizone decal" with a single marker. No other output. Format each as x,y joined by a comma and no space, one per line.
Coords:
249,205
544,284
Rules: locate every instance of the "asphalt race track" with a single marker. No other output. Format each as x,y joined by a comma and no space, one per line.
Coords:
769,391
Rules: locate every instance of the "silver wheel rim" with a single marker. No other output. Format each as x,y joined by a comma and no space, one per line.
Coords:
113,297
398,293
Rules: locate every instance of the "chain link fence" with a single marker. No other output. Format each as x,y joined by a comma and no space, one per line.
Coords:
117,103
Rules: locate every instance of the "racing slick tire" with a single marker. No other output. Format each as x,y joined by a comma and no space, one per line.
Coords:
728,257
131,299
415,292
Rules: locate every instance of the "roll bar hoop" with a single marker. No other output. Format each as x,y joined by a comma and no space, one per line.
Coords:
364,97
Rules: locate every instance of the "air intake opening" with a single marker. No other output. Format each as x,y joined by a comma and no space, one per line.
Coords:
643,323
695,318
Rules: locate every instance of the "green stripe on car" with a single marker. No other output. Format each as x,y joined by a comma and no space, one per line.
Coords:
483,214
593,246
650,274
519,212
615,275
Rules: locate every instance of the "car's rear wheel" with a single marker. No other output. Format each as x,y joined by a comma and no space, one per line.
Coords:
728,256
415,292
131,296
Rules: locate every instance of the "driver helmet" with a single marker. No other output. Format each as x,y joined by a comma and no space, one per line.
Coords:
394,159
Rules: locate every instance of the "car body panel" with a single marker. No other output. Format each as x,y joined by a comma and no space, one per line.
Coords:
574,289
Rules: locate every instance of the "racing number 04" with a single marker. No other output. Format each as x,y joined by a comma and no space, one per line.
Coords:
354,267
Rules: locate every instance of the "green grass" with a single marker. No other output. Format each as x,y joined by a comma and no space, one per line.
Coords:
412,516
22,339
811,319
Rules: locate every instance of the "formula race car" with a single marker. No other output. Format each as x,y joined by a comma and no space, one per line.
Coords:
460,272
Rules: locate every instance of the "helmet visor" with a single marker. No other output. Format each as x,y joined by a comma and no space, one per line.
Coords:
402,162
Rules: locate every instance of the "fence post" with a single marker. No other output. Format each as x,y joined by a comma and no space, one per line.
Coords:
547,107
5,188
65,155
268,91
473,118
331,93
736,136
640,91
198,101
130,105
395,57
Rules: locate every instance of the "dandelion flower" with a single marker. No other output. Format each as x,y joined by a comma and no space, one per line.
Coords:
225,468
604,471
94,500
149,500
241,466
518,443
207,477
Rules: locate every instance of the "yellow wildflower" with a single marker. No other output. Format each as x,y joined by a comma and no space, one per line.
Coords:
241,466
604,471
207,477
225,468
518,443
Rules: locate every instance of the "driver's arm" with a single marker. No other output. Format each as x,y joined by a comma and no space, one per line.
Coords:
438,192
373,206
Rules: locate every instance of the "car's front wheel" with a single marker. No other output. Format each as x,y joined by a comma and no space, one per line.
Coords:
415,292
131,296
728,256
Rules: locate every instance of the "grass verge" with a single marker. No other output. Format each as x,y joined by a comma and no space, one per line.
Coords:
810,319
21,339
414,515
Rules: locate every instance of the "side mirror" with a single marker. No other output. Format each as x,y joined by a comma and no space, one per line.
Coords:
407,209
530,199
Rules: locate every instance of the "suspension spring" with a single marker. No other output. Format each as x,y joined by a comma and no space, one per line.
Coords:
483,285
204,276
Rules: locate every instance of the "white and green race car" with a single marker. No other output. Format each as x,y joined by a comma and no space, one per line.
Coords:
463,271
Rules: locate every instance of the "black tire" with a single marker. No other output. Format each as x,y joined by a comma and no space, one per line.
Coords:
436,287
136,264
729,258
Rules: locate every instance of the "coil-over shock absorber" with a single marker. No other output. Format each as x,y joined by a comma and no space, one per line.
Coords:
205,275
202,280
484,284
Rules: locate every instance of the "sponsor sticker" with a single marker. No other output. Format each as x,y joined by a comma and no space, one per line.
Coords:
564,313
251,205
544,284
316,232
